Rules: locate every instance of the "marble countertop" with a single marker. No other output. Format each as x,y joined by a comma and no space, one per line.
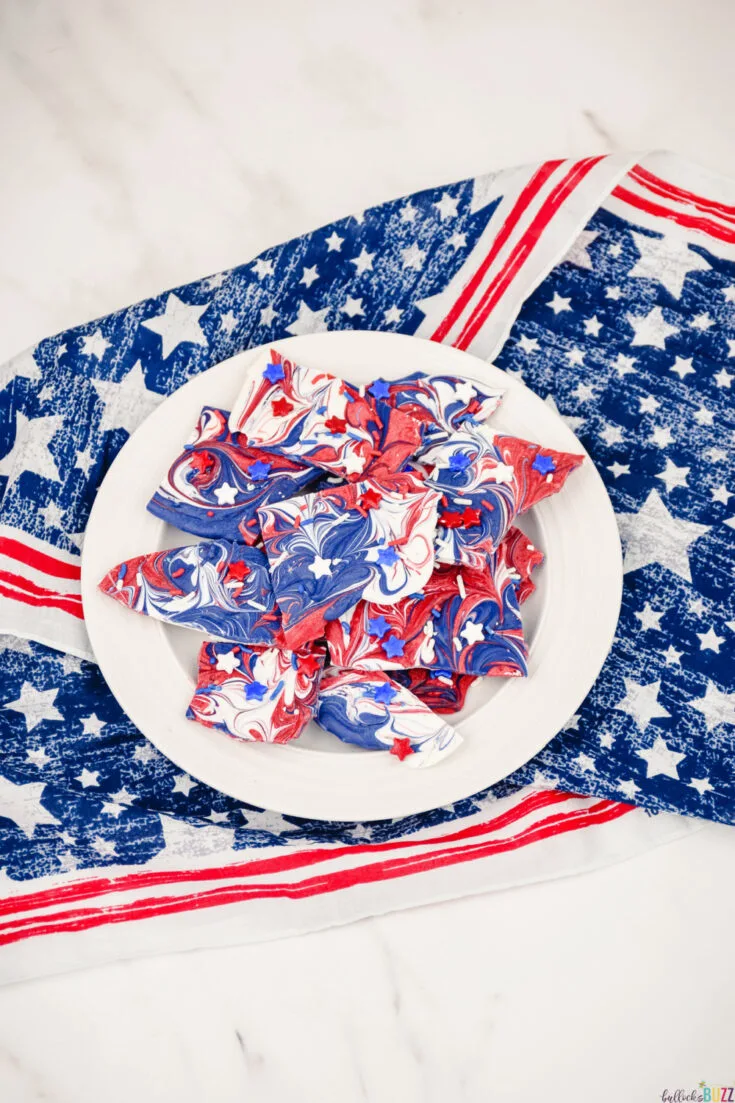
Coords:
148,144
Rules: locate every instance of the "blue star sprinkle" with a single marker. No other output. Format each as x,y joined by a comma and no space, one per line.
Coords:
384,694
378,626
393,647
379,389
255,691
460,461
543,464
273,372
388,556
259,471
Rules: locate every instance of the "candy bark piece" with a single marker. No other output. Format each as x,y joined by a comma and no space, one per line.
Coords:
440,403
464,620
442,691
372,711
215,486
259,694
326,551
521,557
214,587
315,418
486,480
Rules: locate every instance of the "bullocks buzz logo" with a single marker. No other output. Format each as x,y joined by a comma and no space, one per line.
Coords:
703,1093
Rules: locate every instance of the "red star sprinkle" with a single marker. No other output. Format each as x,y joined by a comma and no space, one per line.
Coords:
402,748
335,424
201,462
450,520
236,572
281,407
310,664
470,517
370,499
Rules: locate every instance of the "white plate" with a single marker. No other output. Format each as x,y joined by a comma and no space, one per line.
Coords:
570,621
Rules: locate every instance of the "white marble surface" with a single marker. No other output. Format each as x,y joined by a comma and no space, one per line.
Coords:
146,143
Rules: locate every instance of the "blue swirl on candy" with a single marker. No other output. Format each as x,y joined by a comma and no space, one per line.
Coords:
371,711
216,587
441,403
215,487
326,551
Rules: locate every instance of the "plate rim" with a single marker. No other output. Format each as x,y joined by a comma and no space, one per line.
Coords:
101,615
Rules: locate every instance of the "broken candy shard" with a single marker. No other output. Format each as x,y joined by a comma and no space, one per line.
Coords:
315,418
464,620
521,557
442,691
372,711
440,403
215,486
214,587
486,480
326,551
258,694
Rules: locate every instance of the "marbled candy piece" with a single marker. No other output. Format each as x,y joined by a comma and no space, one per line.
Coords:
464,620
486,480
216,587
326,551
259,694
440,403
315,418
372,711
215,486
521,557
442,691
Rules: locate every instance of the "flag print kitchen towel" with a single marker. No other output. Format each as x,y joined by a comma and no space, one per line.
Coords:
608,285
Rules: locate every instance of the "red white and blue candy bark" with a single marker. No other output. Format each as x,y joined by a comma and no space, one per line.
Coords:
372,711
442,691
215,486
441,404
464,620
486,480
445,690
216,587
259,694
368,540
315,418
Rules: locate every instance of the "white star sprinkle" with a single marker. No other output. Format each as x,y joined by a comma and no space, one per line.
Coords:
472,632
321,568
225,494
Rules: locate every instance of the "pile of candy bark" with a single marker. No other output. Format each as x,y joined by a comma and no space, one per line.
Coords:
359,563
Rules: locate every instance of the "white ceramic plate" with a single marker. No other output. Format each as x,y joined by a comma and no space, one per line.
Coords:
569,621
